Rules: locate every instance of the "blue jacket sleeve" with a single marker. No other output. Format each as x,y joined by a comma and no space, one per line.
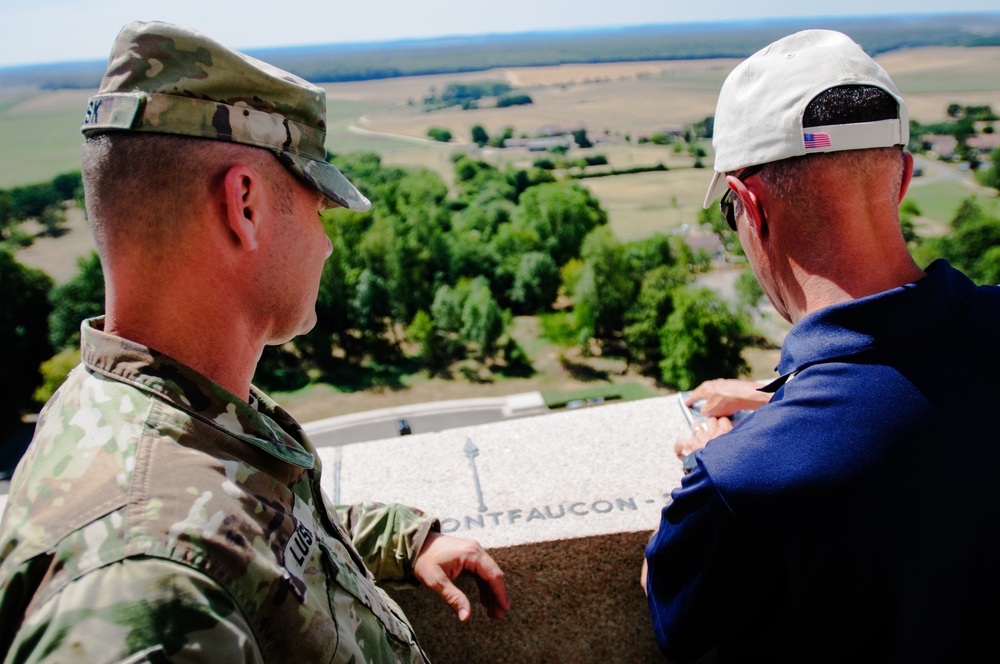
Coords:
689,568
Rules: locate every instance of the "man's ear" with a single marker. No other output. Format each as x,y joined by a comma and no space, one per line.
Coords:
753,212
907,174
244,204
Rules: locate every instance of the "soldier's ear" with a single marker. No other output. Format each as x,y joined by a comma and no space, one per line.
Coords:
244,204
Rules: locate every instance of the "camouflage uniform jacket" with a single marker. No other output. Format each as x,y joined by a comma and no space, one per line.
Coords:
158,517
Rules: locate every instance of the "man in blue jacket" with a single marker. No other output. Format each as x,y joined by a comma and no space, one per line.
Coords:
854,517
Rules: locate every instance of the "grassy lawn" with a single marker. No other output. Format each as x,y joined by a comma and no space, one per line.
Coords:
642,204
940,200
625,391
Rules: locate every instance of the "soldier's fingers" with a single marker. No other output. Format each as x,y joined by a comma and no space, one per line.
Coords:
453,597
487,569
489,600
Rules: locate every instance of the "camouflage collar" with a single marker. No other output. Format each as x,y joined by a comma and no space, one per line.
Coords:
264,425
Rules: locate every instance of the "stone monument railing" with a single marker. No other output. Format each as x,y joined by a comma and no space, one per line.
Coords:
565,502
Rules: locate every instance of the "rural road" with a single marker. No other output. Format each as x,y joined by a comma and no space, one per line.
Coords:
422,418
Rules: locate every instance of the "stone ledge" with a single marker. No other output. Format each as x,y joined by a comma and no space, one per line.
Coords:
574,600
565,502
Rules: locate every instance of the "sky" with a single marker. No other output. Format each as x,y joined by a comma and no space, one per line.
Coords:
41,31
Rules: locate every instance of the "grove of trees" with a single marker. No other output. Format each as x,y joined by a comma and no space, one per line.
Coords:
430,279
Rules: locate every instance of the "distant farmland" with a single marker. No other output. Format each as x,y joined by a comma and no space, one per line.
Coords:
618,102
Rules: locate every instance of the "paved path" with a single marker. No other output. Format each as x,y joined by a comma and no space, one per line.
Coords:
422,418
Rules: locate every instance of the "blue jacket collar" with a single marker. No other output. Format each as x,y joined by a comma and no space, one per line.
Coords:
855,327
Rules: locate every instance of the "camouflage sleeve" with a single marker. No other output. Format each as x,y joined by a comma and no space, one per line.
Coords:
388,537
136,610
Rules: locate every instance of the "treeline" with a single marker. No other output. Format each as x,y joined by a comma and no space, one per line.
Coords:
466,95
44,202
961,124
430,281
736,39
972,245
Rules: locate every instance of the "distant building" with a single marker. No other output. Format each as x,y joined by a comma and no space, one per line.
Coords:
984,142
562,128
943,145
538,144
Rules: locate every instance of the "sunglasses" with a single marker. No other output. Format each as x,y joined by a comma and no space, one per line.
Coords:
726,204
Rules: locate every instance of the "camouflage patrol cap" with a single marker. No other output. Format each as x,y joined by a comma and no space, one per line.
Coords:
169,79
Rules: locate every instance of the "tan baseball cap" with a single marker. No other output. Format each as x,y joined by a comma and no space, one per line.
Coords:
169,79
759,115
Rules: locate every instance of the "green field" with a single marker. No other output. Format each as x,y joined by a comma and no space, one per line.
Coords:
39,129
940,200
40,135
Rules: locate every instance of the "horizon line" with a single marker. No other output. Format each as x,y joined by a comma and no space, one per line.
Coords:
406,41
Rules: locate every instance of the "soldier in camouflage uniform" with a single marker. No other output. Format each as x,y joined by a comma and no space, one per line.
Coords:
168,510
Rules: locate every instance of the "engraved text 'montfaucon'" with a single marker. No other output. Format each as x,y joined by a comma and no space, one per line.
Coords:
571,510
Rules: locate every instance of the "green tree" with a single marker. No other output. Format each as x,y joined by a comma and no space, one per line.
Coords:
421,331
68,186
514,100
446,310
30,201
991,177
605,288
971,247
650,253
498,139
280,370
23,333
79,298
439,134
370,305
712,217
701,339
479,135
907,211
522,180
336,290
560,215
647,315
749,289
6,213
987,268
482,319
536,282
580,137
54,372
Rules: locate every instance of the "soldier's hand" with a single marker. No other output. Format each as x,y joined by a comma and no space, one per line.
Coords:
443,558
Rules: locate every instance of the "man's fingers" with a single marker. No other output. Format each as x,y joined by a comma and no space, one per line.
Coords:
701,434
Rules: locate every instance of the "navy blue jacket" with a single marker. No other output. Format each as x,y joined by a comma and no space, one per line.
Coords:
857,516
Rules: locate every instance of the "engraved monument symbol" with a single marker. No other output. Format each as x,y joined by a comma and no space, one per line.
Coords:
472,452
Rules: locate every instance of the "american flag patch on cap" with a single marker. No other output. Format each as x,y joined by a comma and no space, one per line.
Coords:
816,140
